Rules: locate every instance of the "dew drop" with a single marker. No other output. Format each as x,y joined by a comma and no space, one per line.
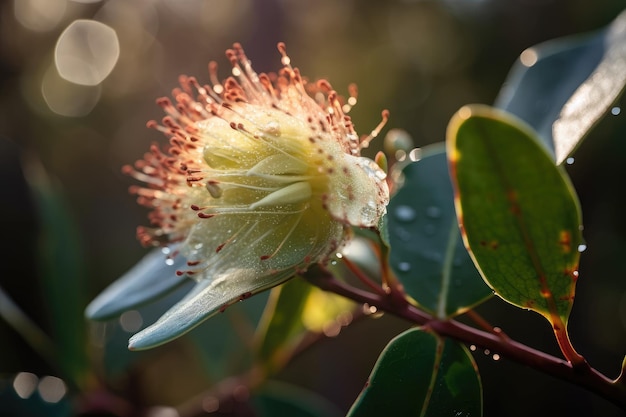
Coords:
432,255
169,261
415,154
405,213
569,161
402,234
616,110
582,247
473,348
404,266
433,212
496,357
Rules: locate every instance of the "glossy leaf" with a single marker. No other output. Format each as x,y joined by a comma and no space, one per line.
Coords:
421,374
519,212
427,253
563,87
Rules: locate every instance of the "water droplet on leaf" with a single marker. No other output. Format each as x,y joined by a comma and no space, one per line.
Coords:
433,212
404,266
405,213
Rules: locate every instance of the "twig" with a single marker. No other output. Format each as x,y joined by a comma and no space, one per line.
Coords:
581,374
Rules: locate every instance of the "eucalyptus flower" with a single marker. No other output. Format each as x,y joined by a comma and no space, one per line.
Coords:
263,177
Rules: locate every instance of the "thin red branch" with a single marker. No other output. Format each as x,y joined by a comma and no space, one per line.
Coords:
582,375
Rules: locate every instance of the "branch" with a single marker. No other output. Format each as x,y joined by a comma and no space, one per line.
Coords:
582,375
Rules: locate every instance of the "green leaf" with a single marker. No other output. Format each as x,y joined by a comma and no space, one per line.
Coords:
427,253
294,309
520,215
281,322
563,87
62,271
281,399
421,374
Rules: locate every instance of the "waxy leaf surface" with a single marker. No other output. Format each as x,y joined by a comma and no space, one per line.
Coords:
427,253
563,87
519,213
421,374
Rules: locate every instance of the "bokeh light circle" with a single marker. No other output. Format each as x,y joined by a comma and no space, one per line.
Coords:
86,52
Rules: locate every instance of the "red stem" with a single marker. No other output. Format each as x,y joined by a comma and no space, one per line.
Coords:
581,374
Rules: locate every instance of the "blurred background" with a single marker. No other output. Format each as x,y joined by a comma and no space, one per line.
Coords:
68,124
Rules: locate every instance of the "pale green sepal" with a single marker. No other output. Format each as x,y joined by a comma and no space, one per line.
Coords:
150,278
207,298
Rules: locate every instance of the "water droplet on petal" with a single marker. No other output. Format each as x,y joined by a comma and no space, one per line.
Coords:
405,213
569,161
582,247
616,110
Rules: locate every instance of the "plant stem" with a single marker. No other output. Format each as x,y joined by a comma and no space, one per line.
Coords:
581,374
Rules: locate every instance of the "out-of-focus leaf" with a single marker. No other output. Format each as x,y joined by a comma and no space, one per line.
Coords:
280,399
152,277
225,343
294,309
563,87
427,253
62,272
282,320
520,215
421,374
